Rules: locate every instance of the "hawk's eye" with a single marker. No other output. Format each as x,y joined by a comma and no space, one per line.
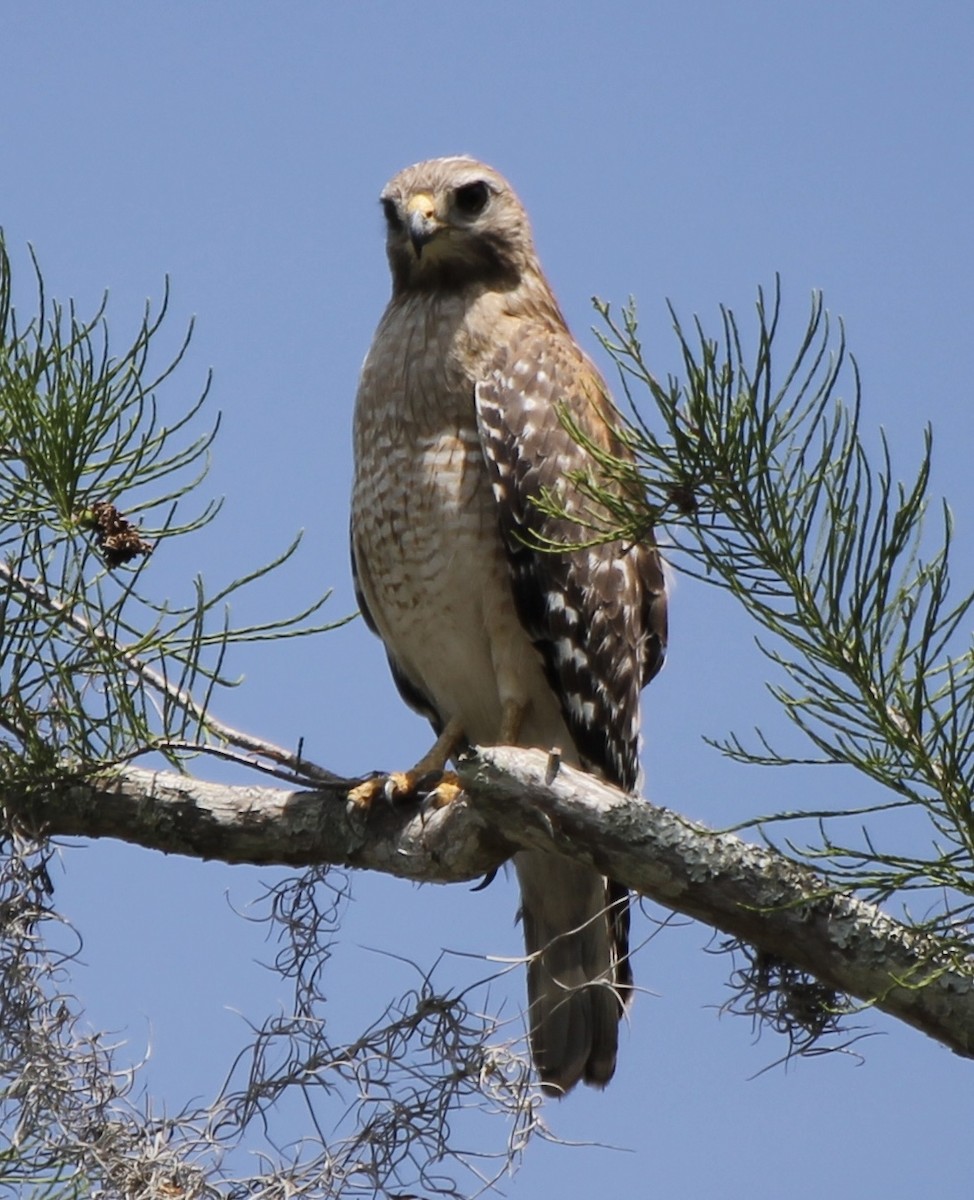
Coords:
472,198
391,212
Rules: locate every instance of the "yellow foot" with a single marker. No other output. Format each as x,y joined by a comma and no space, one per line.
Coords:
432,789
441,791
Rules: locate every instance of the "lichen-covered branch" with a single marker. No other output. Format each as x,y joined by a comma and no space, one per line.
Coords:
515,799
748,891
178,814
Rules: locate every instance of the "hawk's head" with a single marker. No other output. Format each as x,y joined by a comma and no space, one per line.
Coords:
452,222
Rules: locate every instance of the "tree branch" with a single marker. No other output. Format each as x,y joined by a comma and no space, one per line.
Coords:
177,814
257,749
745,890
512,801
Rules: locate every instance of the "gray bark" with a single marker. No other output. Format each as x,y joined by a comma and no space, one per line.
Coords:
522,799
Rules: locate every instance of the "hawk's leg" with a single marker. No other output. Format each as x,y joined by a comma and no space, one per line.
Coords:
426,781
512,717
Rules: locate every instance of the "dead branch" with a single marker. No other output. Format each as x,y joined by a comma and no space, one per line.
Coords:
515,799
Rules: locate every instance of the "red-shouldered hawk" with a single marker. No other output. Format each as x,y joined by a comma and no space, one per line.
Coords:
457,433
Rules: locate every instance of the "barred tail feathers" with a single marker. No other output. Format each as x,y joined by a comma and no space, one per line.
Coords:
578,975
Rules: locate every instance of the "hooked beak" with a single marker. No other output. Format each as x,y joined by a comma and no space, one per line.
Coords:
422,222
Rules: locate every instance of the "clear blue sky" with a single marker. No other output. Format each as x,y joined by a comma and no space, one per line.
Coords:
687,151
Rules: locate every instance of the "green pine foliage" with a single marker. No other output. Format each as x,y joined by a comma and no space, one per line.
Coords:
98,466
760,482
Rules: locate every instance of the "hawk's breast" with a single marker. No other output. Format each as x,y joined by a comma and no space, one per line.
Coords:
431,562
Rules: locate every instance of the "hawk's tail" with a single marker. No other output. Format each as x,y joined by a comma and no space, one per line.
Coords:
576,937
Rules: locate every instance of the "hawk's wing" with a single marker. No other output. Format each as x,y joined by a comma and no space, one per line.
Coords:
598,614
